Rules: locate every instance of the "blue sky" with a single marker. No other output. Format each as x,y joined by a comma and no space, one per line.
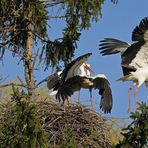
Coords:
117,21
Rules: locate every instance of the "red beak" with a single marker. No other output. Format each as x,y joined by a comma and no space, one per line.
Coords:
88,67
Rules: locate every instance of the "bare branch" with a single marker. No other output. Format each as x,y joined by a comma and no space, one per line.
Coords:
42,39
51,3
12,84
8,29
21,81
35,59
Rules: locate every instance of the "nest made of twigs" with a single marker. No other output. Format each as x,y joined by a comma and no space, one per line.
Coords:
73,124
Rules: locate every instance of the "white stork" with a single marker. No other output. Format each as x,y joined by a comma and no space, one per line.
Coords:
71,82
134,57
98,82
53,79
73,69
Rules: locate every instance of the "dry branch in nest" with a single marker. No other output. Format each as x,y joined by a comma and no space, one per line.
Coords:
73,126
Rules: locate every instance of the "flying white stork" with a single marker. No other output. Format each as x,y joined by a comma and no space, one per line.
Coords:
134,57
71,82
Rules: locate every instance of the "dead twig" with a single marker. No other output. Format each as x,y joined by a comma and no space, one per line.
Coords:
12,84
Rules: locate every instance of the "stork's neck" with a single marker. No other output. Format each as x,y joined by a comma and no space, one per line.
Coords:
82,70
87,72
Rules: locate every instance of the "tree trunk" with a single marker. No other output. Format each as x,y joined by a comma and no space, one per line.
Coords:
28,64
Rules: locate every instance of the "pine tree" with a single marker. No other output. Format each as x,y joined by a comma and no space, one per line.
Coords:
136,133
24,25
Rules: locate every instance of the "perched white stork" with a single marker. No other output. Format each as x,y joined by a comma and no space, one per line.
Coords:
134,57
70,82
97,82
53,79
76,67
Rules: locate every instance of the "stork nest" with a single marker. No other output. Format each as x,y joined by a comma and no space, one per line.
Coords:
73,125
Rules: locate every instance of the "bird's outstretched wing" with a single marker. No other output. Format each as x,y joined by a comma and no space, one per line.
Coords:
51,80
64,92
136,54
105,91
140,33
110,46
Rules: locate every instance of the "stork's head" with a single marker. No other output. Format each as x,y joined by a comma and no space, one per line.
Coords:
85,69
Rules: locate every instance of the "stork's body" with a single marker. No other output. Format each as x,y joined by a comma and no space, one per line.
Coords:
138,77
97,82
134,58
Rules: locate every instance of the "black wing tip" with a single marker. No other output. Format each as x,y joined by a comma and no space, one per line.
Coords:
107,98
144,20
106,110
60,96
109,46
107,39
88,54
104,41
106,102
83,56
139,30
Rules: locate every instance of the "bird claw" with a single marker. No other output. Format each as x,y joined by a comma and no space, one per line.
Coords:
128,109
92,107
136,107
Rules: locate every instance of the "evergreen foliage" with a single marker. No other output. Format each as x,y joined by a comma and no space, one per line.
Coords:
14,23
16,15
25,123
20,125
136,133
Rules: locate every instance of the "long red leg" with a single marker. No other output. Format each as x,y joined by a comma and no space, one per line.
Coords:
69,100
78,96
129,90
135,97
91,99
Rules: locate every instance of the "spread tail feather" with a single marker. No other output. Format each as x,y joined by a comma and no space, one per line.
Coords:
125,78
